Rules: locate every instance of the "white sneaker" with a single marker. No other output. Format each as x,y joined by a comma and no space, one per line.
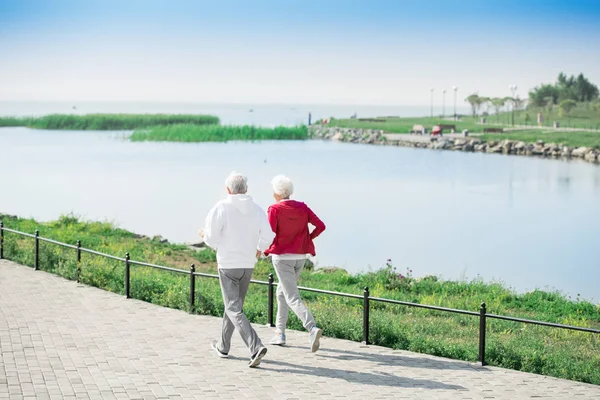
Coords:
215,346
278,340
315,338
257,358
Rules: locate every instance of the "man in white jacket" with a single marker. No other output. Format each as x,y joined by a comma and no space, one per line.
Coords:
238,229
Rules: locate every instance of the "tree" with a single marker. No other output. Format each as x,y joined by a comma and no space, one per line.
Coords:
566,106
497,103
579,89
538,97
475,101
486,102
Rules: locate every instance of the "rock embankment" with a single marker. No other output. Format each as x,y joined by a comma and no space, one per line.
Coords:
540,149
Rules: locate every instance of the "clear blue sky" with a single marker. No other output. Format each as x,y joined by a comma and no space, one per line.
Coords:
308,51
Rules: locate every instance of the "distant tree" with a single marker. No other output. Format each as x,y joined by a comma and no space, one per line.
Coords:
519,103
497,103
486,102
579,89
550,101
566,106
538,97
475,101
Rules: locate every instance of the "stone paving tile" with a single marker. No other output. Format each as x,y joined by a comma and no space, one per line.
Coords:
59,339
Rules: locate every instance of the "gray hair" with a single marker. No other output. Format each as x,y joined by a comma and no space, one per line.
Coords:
283,186
237,183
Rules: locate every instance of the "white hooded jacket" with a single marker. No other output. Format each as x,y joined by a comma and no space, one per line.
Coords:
236,228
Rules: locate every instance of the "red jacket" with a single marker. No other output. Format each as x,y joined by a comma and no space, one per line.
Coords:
289,220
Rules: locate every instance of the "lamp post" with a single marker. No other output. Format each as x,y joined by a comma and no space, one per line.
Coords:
455,89
443,103
431,102
513,89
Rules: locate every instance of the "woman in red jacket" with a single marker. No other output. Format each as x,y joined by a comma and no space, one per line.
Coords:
292,245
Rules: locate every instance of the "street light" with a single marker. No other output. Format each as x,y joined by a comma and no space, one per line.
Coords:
443,103
455,88
513,89
431,102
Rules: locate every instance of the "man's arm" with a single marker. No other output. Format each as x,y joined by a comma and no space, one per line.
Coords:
265,234
316,222
213,227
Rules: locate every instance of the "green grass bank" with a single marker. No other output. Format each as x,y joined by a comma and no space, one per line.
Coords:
107,121
548,351
525,128
217,133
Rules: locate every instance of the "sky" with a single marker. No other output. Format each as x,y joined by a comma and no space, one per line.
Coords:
380,52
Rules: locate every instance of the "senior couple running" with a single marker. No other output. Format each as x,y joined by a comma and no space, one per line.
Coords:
240,232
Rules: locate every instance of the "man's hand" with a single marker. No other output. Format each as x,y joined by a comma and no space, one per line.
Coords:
258,253
201,233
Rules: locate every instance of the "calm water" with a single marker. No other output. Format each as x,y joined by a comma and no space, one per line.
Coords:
528,222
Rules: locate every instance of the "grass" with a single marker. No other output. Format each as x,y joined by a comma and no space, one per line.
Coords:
218,133
107,121
584,116
404,125
567,138
555,352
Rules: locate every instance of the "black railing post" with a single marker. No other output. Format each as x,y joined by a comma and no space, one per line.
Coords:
366,315
482,328
127,276
78,260
36,261
192,288
1,240
270,307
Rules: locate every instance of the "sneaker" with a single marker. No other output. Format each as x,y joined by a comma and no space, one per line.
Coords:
315,338
278,340
257,358
215,346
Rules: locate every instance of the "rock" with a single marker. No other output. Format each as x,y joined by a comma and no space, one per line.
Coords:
338,136
330,270
468,147
580,152
591,156
460,142
507,146
538,150
495,149
198,245
442,145
475,142
519,146
480,147
566,151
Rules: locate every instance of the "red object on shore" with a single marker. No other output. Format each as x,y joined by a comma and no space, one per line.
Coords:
436,130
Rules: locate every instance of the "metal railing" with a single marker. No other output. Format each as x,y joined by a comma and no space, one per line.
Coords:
366,297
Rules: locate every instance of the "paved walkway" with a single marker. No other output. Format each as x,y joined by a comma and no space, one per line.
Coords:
61,340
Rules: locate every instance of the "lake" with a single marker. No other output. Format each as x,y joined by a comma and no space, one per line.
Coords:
532,223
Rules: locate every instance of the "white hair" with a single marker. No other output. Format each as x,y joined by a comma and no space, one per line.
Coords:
283,186
237,183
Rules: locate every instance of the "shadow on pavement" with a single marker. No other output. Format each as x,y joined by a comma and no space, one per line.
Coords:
366,378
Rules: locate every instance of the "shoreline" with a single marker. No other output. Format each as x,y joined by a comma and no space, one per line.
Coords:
456,142
566,355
